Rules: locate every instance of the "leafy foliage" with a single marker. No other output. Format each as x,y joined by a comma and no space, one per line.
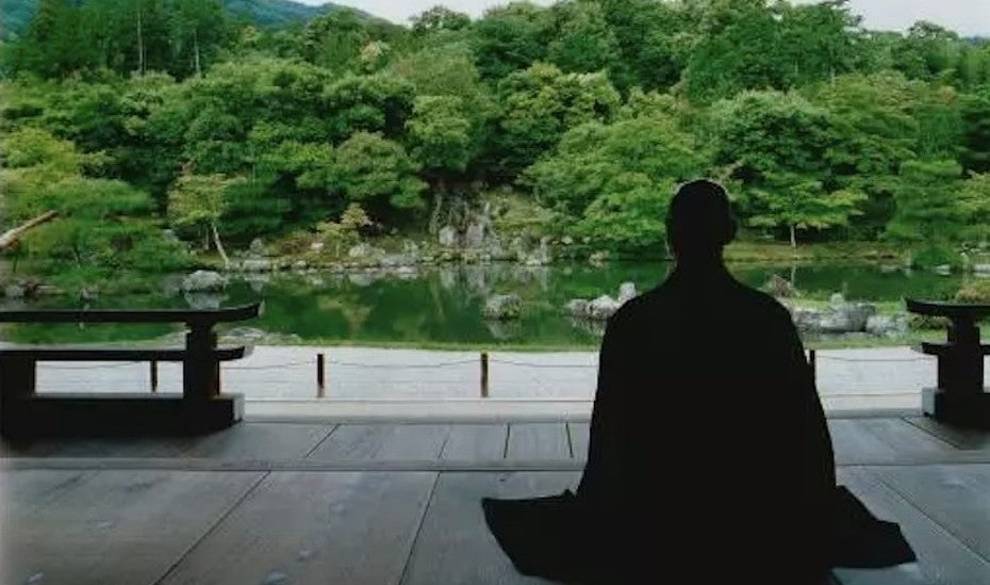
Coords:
577,119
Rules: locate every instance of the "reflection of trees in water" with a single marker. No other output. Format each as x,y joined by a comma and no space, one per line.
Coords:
504,330
596,328
350,307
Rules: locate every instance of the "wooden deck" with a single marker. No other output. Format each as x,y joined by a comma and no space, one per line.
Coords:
276,503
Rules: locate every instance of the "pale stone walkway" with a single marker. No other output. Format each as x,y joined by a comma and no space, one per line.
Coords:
847,379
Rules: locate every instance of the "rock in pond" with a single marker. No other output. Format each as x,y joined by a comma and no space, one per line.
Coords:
204,281
888,325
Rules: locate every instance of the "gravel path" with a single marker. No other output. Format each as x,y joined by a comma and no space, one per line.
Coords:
846,378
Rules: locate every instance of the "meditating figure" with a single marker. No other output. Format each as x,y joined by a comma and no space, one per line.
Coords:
709,459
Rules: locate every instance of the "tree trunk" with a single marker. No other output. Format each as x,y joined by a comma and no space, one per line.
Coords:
219,245
10,237
793,237
199,71
140,40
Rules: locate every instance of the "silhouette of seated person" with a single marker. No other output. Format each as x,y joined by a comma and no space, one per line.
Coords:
709,456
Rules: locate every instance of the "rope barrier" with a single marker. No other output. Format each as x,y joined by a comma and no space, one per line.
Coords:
532,365
97,367
874,360
272,366
401,366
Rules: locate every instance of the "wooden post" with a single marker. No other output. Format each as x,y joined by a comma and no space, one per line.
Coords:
320,376
484,374
813,362
154,376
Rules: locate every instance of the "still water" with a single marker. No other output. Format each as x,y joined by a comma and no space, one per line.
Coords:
442,306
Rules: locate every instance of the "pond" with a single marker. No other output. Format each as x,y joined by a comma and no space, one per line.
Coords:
442,306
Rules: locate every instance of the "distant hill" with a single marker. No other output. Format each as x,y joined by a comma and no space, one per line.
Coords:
15,15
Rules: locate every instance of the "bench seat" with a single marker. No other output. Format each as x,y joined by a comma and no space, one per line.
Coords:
67,353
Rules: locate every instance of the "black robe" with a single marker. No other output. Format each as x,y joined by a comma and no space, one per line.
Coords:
709,454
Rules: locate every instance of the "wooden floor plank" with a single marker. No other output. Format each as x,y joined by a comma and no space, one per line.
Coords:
98,447
454,545
955,496
475,443
383,442
110,526
967,439
259,440
580,434
538,441
942,558
871,439
328,527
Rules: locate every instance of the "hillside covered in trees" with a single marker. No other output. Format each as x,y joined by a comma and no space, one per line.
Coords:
140,120
16,15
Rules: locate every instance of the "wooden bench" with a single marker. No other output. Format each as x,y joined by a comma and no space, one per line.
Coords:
200,407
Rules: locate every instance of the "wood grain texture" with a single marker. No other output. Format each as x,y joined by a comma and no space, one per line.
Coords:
258,440
388,442
354,528
955,496
942,558
484,442
580,434
454,546
111,526
538,441
962,438
867,439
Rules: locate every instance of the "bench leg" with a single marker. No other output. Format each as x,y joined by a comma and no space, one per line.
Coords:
200,370
18,378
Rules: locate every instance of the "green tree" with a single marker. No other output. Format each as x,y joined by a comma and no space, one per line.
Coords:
928,208
375,171
510,38
777,145
974,201
198,201
976,135
439,19
612,183
541,103
581,41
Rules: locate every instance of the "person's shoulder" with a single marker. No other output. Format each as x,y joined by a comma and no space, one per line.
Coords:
767,304
633,310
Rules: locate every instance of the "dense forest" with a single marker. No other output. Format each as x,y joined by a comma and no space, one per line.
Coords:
157,127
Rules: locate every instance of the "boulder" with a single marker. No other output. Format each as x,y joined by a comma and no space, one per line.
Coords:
256,265
598,258
627,292
317,246
981,268
257,247
447,237
838,318
204,281
474,237
362,251
888,325
780,287
300,265
503,307
577,308
602,308
15,291
204,301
